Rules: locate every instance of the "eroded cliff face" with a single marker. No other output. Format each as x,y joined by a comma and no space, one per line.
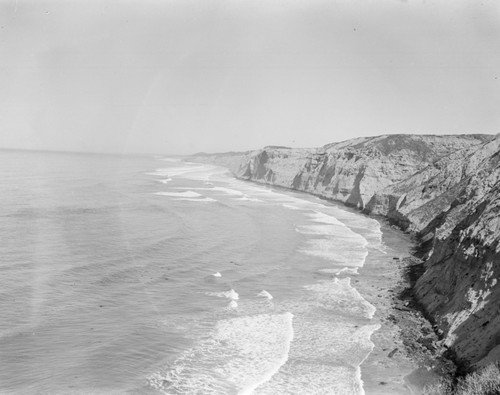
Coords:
359,172
445,189
460,287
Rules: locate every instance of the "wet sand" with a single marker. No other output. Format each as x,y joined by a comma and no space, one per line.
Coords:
406,353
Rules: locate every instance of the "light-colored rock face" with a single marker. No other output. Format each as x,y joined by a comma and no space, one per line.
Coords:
446,189
354,171
460,286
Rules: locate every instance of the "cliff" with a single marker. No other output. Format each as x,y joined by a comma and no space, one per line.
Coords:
444,189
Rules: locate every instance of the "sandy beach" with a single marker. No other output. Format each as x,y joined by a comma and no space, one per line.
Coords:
404,358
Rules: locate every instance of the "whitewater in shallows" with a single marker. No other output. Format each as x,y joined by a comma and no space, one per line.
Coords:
139,275
312,339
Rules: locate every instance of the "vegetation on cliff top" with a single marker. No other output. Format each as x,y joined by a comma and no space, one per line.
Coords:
483,382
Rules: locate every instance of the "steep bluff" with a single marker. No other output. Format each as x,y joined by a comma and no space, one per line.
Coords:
444,189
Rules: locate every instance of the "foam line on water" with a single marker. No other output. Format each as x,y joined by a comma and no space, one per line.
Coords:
339,243
239,195
172,160
205,199
344,270
265,294
347,270
224,190
314,379
228,191
370,228
238,356
186,194
327,352
343,254
186,170
326,230
250,199
250,388
291,206
369,330
231,294
338,295
325,219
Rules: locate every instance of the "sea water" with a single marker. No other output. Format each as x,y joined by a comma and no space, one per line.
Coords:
152,275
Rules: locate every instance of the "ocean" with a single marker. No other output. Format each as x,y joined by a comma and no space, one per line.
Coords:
152,275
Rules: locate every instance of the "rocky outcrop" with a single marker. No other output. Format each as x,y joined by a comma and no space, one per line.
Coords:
444,189
459,288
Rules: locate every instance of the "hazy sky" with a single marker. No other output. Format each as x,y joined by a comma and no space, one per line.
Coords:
183,76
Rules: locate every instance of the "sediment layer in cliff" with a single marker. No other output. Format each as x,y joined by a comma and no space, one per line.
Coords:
444,189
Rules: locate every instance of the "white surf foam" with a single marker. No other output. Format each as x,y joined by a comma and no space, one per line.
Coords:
279,198
217,274
250,199
339,243
325,357
326,230
205,199
238,356
265,294
336,252
291,206
337,272
304,377
226,191
366,227
325,219
369,228
340,296
165,181
186,194
231,294
193,171
347,270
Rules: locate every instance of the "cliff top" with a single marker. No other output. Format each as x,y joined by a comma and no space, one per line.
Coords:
426,147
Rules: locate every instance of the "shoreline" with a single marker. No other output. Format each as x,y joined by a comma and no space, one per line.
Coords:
407,351
407,354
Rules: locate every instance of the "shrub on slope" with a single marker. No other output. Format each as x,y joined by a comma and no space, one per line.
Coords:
483,382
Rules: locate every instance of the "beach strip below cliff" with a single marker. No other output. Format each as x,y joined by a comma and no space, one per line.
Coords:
406,353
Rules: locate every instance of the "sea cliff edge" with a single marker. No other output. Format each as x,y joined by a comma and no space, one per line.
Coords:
444,190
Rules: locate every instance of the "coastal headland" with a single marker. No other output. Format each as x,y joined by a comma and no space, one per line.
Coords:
444,192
